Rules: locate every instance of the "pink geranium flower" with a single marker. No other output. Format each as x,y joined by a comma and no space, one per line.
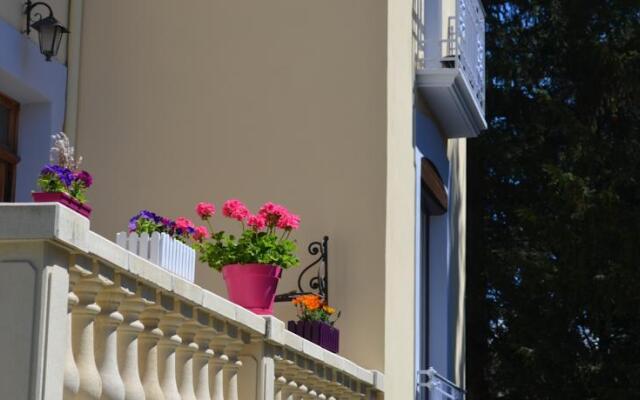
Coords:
289,221
205,210
257,222
184,224
235,209
200,233
273,213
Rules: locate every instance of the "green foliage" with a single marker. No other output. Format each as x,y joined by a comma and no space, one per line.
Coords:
149,226
250,247
78,191
51,184
554,216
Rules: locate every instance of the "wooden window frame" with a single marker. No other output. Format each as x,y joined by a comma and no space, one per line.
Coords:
436,197
10,154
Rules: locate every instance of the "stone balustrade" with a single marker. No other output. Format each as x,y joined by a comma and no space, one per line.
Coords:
86,319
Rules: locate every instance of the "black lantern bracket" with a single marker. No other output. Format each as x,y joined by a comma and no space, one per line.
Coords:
37,16
50,31
319,283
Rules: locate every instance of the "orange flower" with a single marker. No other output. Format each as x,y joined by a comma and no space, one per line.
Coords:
310,302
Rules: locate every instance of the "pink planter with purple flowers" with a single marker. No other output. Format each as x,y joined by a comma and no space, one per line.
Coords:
62,198
252,286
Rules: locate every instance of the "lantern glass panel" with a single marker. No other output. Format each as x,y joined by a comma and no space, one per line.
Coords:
47,34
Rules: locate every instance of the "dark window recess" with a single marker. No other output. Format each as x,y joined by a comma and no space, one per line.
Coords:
9,159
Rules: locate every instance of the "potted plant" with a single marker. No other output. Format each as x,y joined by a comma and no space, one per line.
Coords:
62,180
163,241
316,320
251,263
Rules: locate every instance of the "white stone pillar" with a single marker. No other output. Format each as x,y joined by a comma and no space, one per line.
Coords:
71,382
84,315
106,345
184,360
148,352
128,333
167,345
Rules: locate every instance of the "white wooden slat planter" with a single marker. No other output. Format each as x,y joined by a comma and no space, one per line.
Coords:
163,250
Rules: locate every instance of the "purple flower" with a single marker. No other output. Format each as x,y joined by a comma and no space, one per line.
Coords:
64,174
84,177
144,214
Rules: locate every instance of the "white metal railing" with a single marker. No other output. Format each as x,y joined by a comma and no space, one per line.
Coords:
459,44
439,387
465,44
417,30
99,322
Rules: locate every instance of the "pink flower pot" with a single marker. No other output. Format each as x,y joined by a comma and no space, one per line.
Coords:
252,286
62,198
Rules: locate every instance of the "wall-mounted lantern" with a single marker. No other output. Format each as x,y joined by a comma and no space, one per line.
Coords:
50,31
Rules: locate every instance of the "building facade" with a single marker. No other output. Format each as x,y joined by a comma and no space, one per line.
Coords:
353,114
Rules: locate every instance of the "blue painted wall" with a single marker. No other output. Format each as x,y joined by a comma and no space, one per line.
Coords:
430,144
40,88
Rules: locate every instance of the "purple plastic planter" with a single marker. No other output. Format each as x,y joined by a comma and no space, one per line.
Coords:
318,332
62,198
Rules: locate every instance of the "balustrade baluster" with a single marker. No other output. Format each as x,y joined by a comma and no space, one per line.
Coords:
231,370
300,389
184,360
290,390
128,334
84,315
167,345
280,380
201,363
71,382
279,384
216,366
107,323
148,349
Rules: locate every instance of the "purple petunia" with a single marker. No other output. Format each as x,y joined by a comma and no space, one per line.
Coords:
144,214
84,177
64,174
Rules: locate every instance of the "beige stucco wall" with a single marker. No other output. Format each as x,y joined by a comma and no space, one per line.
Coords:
279,100
12,11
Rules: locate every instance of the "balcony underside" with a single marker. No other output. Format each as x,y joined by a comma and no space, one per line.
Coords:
450,97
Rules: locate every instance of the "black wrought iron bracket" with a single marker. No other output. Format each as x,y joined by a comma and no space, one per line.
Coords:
318,284
29,6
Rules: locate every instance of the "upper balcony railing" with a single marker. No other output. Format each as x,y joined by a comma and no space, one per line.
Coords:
449,36
438,387
86,319
464,45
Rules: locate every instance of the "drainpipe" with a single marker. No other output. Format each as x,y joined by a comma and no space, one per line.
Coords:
74,42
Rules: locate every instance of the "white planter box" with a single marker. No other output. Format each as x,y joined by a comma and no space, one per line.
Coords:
161,249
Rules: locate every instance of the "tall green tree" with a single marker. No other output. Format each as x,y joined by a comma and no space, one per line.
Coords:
554,205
